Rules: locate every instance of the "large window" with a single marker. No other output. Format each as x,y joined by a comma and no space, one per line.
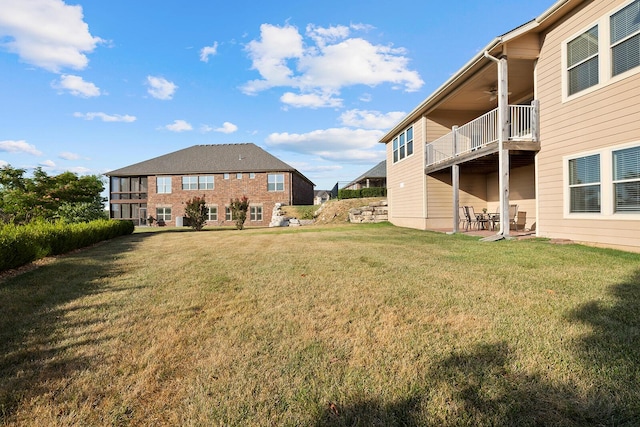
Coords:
194,182
163,184
625,38
255,213
275,182
584,184
582,61
403,145
163,214
626,180
212,213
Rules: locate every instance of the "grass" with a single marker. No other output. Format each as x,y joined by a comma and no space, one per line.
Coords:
367,325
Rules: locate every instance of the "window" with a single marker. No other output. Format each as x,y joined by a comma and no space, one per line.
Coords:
212,213
626,180
163,184
403,145
255,213
163,214
584,184
189,182
205,183
197,182
227,214
226,176
252,175
582,61
275,182
625,38
239,175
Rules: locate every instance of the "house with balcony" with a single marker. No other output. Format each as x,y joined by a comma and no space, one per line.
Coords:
160,187
374,177
545,117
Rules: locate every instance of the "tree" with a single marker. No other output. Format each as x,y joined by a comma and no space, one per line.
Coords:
239,208
196,212
23,199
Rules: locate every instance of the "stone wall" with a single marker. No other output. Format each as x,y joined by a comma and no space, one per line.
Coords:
374,212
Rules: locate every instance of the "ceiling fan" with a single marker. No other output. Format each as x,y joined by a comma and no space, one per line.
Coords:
493,93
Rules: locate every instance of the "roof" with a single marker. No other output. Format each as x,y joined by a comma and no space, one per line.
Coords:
376,172
549,17
213,158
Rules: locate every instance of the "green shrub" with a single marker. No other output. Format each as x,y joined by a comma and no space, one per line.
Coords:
22,244
363,192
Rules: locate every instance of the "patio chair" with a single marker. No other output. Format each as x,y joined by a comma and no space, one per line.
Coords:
478,219
513,215
463,218
494,219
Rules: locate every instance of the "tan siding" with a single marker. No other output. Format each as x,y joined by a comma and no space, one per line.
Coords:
606,117
405,183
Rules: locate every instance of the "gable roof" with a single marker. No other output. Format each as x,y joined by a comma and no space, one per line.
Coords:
376,172
213,158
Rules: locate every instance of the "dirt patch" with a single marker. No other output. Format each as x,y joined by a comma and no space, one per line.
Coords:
337,211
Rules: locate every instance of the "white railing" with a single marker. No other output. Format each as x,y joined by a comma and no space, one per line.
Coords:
482,132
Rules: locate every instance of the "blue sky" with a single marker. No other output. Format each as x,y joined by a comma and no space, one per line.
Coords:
90,86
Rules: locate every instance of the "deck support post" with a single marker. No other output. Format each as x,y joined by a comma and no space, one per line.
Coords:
455,182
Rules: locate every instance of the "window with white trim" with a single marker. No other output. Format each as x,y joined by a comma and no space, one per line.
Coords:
239,175
584,184
163,184
626,180
275,182
403,145
212,213
255,213
625,38
252,175
582,61
227,214
163,214
189,182
205,182
226,176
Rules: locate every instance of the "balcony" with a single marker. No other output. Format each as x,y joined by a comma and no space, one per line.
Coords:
480,137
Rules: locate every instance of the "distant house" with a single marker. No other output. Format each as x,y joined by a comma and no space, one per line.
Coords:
374,177
545,117
159,187
321,196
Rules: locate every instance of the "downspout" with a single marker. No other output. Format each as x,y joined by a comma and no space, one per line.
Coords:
503,135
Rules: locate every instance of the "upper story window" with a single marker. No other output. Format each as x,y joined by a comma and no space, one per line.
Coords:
626,179
252,175
403,145
194,182
625,38
584,184
239,175
163,184
226,176
275,182
582,61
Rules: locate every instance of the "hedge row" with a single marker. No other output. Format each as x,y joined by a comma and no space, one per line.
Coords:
363,192
21,244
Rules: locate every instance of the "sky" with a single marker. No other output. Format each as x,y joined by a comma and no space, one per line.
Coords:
90,86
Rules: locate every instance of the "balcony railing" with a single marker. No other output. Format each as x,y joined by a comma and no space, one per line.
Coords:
484,131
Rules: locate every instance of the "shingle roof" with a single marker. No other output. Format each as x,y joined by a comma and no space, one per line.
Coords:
215,158
378,171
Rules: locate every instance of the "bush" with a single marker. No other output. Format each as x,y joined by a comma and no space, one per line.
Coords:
22,244
363,192
239,208
196,213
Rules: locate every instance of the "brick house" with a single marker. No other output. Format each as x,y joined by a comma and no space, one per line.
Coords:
159,187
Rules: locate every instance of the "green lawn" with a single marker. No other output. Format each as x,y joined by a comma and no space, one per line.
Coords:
367,325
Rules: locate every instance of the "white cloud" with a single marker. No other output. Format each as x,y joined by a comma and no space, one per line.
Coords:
76,86
46,33
3,163
179,126
208,51
227,127
371,119
80,170
19,147
311,100
161,88
106,117
68,156
336,144
49,164
324,63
